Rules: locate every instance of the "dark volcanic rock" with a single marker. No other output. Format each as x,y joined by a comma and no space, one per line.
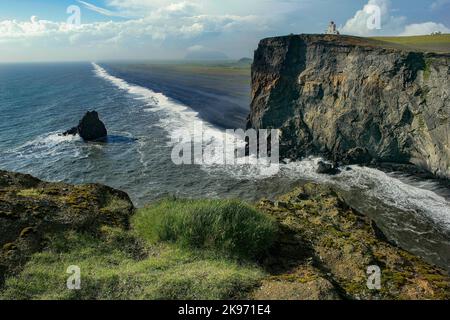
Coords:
73,131
353,100
90,128
326,168
356,156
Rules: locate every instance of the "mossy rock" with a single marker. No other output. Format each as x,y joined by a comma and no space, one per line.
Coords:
33,210
340,243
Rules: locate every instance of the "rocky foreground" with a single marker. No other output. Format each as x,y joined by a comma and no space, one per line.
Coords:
325,248
31,211
321,251
354,100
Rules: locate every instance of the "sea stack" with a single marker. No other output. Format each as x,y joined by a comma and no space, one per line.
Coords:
90,127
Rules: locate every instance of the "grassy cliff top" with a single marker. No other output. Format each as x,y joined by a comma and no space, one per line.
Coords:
426,43
430,43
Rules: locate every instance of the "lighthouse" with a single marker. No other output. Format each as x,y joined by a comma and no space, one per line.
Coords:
332,28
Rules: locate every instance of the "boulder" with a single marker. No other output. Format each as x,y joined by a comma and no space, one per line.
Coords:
326,168
90,128
73,131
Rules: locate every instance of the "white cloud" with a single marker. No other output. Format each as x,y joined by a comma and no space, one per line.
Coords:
12,30
390,24
424,28
186,26
197,47
174,26
155,7
164,28
358,25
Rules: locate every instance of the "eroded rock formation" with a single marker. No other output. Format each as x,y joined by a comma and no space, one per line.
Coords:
354,100
90,128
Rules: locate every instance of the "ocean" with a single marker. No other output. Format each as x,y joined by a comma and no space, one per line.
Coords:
144,105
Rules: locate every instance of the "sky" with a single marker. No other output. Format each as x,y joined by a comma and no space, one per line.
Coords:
75,30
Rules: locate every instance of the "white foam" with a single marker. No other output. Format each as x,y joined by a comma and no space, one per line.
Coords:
372,182
175,116
378,184
397,193
50,145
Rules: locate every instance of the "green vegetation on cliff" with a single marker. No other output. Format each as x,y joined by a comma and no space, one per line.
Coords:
307,245
117,265
175,249
227,226
432,43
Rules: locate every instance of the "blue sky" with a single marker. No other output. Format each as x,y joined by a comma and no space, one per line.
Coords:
38,30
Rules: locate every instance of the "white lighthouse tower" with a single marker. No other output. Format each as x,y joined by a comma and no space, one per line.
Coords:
332,29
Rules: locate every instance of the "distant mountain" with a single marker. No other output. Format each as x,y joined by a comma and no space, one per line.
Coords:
206,55
245,61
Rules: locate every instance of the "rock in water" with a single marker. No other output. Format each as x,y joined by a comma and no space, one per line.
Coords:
91,127
326,168
73,131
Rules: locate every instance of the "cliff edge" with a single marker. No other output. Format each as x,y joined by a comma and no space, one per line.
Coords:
309,244
354,100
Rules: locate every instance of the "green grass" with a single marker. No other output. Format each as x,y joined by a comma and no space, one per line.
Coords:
30,193
177,249
436,43
230,227
116,267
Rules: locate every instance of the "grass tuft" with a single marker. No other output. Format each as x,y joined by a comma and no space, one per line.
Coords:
230,227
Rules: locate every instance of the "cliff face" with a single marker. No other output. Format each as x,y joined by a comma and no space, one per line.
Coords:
353,100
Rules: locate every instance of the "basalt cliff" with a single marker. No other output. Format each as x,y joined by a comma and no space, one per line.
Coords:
354,100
